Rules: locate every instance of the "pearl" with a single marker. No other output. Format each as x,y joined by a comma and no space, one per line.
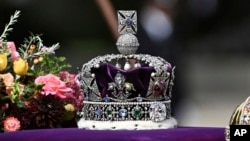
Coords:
137,65
127,66
97,65
118,65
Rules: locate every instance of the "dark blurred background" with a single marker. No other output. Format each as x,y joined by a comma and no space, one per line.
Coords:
208,41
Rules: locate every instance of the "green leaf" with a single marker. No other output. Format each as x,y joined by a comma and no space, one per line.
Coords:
39,86
7,29
61,59
20,104
5,97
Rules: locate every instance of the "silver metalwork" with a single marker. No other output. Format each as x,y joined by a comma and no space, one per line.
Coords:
127,44
121,111
120,89
127,22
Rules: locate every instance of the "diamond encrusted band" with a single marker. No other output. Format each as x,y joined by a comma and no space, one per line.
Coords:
125,111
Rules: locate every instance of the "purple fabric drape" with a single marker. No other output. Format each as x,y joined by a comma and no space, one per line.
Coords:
74,134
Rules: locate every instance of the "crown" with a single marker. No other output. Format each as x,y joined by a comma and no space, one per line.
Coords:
127,90
240,116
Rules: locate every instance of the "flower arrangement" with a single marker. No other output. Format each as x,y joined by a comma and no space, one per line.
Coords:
36,89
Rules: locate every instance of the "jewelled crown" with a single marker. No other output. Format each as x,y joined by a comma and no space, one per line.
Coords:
127,90
240,116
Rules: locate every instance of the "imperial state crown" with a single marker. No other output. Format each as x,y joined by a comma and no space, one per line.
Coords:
126,91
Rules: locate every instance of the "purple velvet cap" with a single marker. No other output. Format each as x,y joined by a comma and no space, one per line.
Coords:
139,77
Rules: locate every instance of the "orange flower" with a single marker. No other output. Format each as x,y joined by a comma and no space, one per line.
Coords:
11,124
8,80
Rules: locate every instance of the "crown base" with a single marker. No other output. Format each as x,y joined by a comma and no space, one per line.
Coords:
126,125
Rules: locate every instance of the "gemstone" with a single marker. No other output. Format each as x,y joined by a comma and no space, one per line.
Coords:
247,106
129,22
159,87
99,112
137,112
244,119
123,112
157,112
139,99
128,86
169,67
111,86
106,99
119,79
109,112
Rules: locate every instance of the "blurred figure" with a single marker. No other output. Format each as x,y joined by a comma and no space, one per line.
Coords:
158,36
156,19
156,28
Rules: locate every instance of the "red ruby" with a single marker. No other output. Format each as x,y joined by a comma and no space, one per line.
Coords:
159,87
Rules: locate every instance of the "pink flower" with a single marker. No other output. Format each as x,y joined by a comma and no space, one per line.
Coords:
44,49
53,85
67,77
14,54
49,50
11,124
4,106
76,96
